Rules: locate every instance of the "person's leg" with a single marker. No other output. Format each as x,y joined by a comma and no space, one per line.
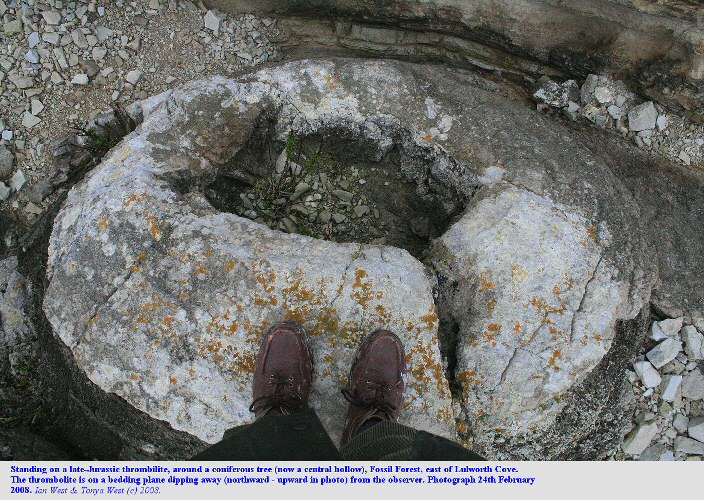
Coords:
376,395
285,427
298,436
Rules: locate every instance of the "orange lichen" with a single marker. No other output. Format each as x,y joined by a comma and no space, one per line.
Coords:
490,306
153,226
468,379
431,318
486,284
331,82
102,223
362,293
555,332
268,287
553,360
591,232
229,265
172,379
201,270
132,199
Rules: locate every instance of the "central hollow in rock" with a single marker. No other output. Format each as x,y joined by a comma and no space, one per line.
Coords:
162,294
336,186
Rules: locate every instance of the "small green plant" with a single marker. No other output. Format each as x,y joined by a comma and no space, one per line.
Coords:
293,145
26,417
99,144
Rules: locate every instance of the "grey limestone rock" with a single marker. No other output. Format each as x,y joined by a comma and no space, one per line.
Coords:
647,374
162,298
640,438
696,429
557,95
7,162
689,446
693,385
642,117
693,343
664,352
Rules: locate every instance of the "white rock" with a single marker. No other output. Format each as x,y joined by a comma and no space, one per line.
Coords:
689,446
664,352
642,117
21,82
60,57
603,94
615,112
647,374
670,386
33,39
212,21
32,56
29,120
79,39
693,385
52,38
572,110
51,17
17,181
656,332
696,428
7,135
4,192
80,79
134,76
680,423
685,158
31,208
37,106
670,327
99,53
639,438
103,33
662,122
693,343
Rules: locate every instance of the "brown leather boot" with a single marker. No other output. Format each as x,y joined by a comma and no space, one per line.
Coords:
377,382
283,373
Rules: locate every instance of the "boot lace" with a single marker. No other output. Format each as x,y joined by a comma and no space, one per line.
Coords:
284,397
377,406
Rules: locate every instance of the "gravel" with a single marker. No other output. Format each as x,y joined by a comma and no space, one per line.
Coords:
63,63
664,352
610,105
668,418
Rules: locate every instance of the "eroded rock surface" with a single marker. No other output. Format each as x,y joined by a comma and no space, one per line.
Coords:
657,46
541,280
534,303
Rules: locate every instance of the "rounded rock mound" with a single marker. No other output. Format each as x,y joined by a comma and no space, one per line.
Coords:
508,258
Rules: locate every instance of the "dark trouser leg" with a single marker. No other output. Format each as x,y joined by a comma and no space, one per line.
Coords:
393,441
299,436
